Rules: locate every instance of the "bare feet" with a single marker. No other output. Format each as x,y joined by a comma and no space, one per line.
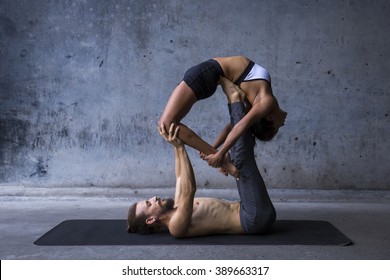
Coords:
220,169
232,91
228,166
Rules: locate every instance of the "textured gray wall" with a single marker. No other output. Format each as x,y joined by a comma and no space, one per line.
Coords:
82,85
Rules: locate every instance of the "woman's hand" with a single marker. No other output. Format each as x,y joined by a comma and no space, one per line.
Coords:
202,155
214,160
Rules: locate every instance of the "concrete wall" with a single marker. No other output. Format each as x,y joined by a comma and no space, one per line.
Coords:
82,85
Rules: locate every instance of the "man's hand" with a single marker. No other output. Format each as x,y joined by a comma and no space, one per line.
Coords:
172,136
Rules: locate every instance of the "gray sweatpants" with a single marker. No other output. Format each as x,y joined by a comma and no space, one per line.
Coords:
257,213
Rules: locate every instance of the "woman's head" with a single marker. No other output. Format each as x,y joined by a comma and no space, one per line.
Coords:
266,128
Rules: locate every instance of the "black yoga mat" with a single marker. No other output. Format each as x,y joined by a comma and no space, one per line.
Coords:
113,232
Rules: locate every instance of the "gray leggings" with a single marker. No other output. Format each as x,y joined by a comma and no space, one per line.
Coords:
257,213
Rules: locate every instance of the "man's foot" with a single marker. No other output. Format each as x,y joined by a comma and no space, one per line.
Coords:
229,167
232,91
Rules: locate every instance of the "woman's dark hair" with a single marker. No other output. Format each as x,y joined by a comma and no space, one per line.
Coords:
264,130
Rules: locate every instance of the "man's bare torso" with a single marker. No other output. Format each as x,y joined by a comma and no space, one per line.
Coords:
214,216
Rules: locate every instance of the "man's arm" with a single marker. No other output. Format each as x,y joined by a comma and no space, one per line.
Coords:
185,185
177,173
185,181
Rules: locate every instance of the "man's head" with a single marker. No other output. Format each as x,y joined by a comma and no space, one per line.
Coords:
144,216
266,128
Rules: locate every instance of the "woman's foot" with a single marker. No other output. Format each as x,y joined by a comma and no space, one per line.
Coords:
228,166
232,91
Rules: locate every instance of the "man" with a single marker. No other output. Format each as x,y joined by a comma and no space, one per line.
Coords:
187,216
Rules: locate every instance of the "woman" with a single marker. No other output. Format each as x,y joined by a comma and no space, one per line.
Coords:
201,81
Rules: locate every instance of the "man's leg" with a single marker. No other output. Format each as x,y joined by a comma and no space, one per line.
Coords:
257,211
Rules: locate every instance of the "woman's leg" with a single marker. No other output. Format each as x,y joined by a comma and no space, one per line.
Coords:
178,106
257,212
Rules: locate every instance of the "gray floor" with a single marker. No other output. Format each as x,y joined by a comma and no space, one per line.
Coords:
26,214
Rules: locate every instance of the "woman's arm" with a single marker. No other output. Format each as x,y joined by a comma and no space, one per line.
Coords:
180,221
222,136
219,140
258,111
185,184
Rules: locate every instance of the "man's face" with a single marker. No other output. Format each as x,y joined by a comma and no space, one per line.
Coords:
154,206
